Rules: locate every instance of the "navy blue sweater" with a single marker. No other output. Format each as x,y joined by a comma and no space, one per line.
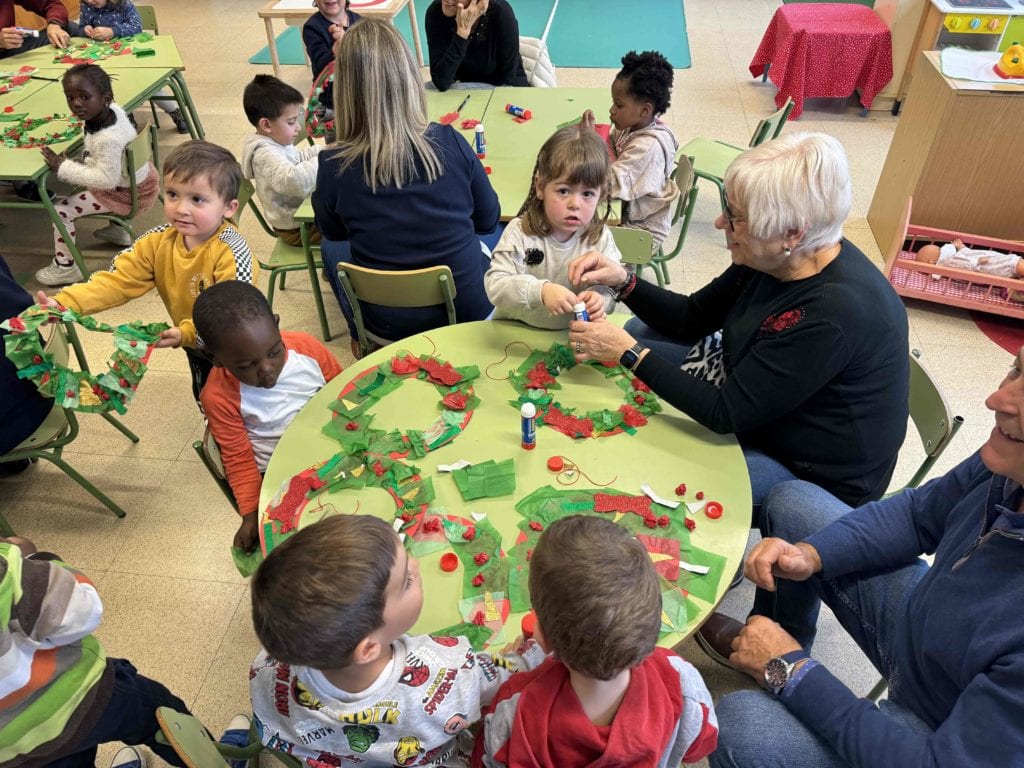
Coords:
419,225
959,648
319,41
22,408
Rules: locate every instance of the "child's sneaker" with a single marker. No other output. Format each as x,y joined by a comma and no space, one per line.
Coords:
236,735
57,274
179,121
128,757
113,234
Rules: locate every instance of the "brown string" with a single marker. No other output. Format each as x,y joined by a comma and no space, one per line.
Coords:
570,467
503,359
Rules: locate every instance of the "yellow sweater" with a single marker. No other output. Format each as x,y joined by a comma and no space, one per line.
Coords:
158,259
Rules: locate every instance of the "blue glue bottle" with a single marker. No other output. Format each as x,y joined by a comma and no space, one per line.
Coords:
479,142
580,310
528,423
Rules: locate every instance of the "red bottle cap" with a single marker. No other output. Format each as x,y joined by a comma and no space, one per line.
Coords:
529,625
556,464
449,562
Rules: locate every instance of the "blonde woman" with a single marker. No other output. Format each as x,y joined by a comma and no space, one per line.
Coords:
397,191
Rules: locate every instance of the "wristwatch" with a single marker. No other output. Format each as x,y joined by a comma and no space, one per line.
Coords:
631,356
778,670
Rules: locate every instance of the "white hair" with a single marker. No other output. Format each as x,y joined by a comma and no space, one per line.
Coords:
800,181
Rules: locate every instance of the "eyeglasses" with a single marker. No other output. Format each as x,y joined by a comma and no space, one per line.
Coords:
733,220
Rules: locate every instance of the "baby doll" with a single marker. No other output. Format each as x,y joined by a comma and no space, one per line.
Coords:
956,255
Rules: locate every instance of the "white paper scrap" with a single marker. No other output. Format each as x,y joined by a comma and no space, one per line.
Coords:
478,516
656,498
397,525
693,507
460,464
700,569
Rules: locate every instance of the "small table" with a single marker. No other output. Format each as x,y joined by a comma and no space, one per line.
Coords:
295,12
670,449
825,50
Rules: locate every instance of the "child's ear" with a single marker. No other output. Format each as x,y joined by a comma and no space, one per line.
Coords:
367,650
277,320
538,186
230,209
263,125
647,111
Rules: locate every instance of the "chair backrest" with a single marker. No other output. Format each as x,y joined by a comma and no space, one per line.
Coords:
932,416
136,155
635,245
770,127
147,13
429,287
192,742
540,72
247,197
209,454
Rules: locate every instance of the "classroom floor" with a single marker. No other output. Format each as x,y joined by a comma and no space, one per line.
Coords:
175,606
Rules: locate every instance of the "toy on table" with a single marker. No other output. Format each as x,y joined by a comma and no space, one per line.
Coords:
1011,65
956,255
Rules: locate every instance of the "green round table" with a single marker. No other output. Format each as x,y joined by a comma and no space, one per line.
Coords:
670,449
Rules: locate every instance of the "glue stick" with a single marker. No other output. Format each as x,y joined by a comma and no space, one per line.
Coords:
515,111
580,310
479,142
27,32
528,422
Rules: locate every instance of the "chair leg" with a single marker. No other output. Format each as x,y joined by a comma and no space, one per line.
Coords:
270,288
120,427
78,478
156,120
661,272
283,275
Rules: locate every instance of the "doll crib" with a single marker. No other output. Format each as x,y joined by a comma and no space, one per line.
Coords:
945,285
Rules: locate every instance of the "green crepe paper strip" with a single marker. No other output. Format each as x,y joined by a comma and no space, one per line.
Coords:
10,117
16,135
87,52
486,479
674,611
80,390
246,563
700,586
477,635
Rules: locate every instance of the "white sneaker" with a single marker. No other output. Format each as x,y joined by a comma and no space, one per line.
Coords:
236,735
128,757
113,234
56,274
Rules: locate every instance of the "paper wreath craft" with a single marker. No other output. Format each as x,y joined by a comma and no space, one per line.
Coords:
14,81
317,121
81,390
94,50
1011,65
16,129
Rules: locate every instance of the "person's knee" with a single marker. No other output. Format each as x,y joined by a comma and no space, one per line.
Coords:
795,509
744,718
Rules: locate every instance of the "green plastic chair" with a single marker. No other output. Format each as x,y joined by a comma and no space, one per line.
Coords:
209,454
429,287
198,749
686,179
284,258
60,427
936,425
142,149
711,158
635,245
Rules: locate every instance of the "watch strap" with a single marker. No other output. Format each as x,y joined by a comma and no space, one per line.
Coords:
794,656
798,675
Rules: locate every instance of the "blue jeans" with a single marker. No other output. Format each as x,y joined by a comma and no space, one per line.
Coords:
666,347
130,717
869,605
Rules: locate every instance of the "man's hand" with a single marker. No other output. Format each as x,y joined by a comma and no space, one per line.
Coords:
775,557
53,160
10,38
601,341
45,301
467,14
558,300
595,304
762,639
169,338
57,36
101,33
593,268
247,537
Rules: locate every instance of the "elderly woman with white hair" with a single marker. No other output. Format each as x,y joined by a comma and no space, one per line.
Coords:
814,373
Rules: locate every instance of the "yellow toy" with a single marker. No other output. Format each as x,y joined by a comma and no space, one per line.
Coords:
1011,65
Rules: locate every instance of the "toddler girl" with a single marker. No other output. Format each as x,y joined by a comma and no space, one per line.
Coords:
100,168
323,30
528,279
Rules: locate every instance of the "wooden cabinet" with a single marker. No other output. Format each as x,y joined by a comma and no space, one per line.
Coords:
957,150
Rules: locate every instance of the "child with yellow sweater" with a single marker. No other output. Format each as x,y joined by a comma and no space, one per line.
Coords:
195,249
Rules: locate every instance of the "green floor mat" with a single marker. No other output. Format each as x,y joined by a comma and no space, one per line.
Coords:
585,33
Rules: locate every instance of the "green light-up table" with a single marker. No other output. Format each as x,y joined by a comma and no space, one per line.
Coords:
669,450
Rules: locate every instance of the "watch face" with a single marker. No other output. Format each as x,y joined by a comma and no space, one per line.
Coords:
628,359
776,674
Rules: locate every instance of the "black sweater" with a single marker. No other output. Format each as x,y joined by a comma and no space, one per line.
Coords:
817,369
490,55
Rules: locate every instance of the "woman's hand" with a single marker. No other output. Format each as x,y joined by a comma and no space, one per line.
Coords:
595,304
57,36
467,14
52,159
557,299
593,268
601,341
11,38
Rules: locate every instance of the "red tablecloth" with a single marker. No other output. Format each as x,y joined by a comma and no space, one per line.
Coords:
825,50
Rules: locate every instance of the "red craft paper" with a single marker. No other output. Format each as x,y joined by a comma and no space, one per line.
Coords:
631,417
538,377
572,426
404,365
638,505
441,374
287,511
658,545
455,400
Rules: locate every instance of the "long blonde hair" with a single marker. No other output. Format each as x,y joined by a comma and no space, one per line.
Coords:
380,108
579,155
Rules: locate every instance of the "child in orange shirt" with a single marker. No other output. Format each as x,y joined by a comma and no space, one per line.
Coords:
262,377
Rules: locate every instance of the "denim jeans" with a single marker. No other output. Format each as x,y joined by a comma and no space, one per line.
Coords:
130,717
765,473
756,728
665,347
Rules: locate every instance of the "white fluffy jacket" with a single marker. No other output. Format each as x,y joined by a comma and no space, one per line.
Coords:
642,177
101,164
284,176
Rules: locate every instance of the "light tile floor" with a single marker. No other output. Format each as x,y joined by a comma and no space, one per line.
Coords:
174,604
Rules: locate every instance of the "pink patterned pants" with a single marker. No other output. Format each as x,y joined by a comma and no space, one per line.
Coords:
69,209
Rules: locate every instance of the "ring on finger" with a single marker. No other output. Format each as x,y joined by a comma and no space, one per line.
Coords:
579,347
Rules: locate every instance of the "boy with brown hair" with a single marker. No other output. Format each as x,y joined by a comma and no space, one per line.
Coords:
340,680
608,694
196,248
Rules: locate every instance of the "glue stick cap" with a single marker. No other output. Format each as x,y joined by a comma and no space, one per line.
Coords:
528,410
579,307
